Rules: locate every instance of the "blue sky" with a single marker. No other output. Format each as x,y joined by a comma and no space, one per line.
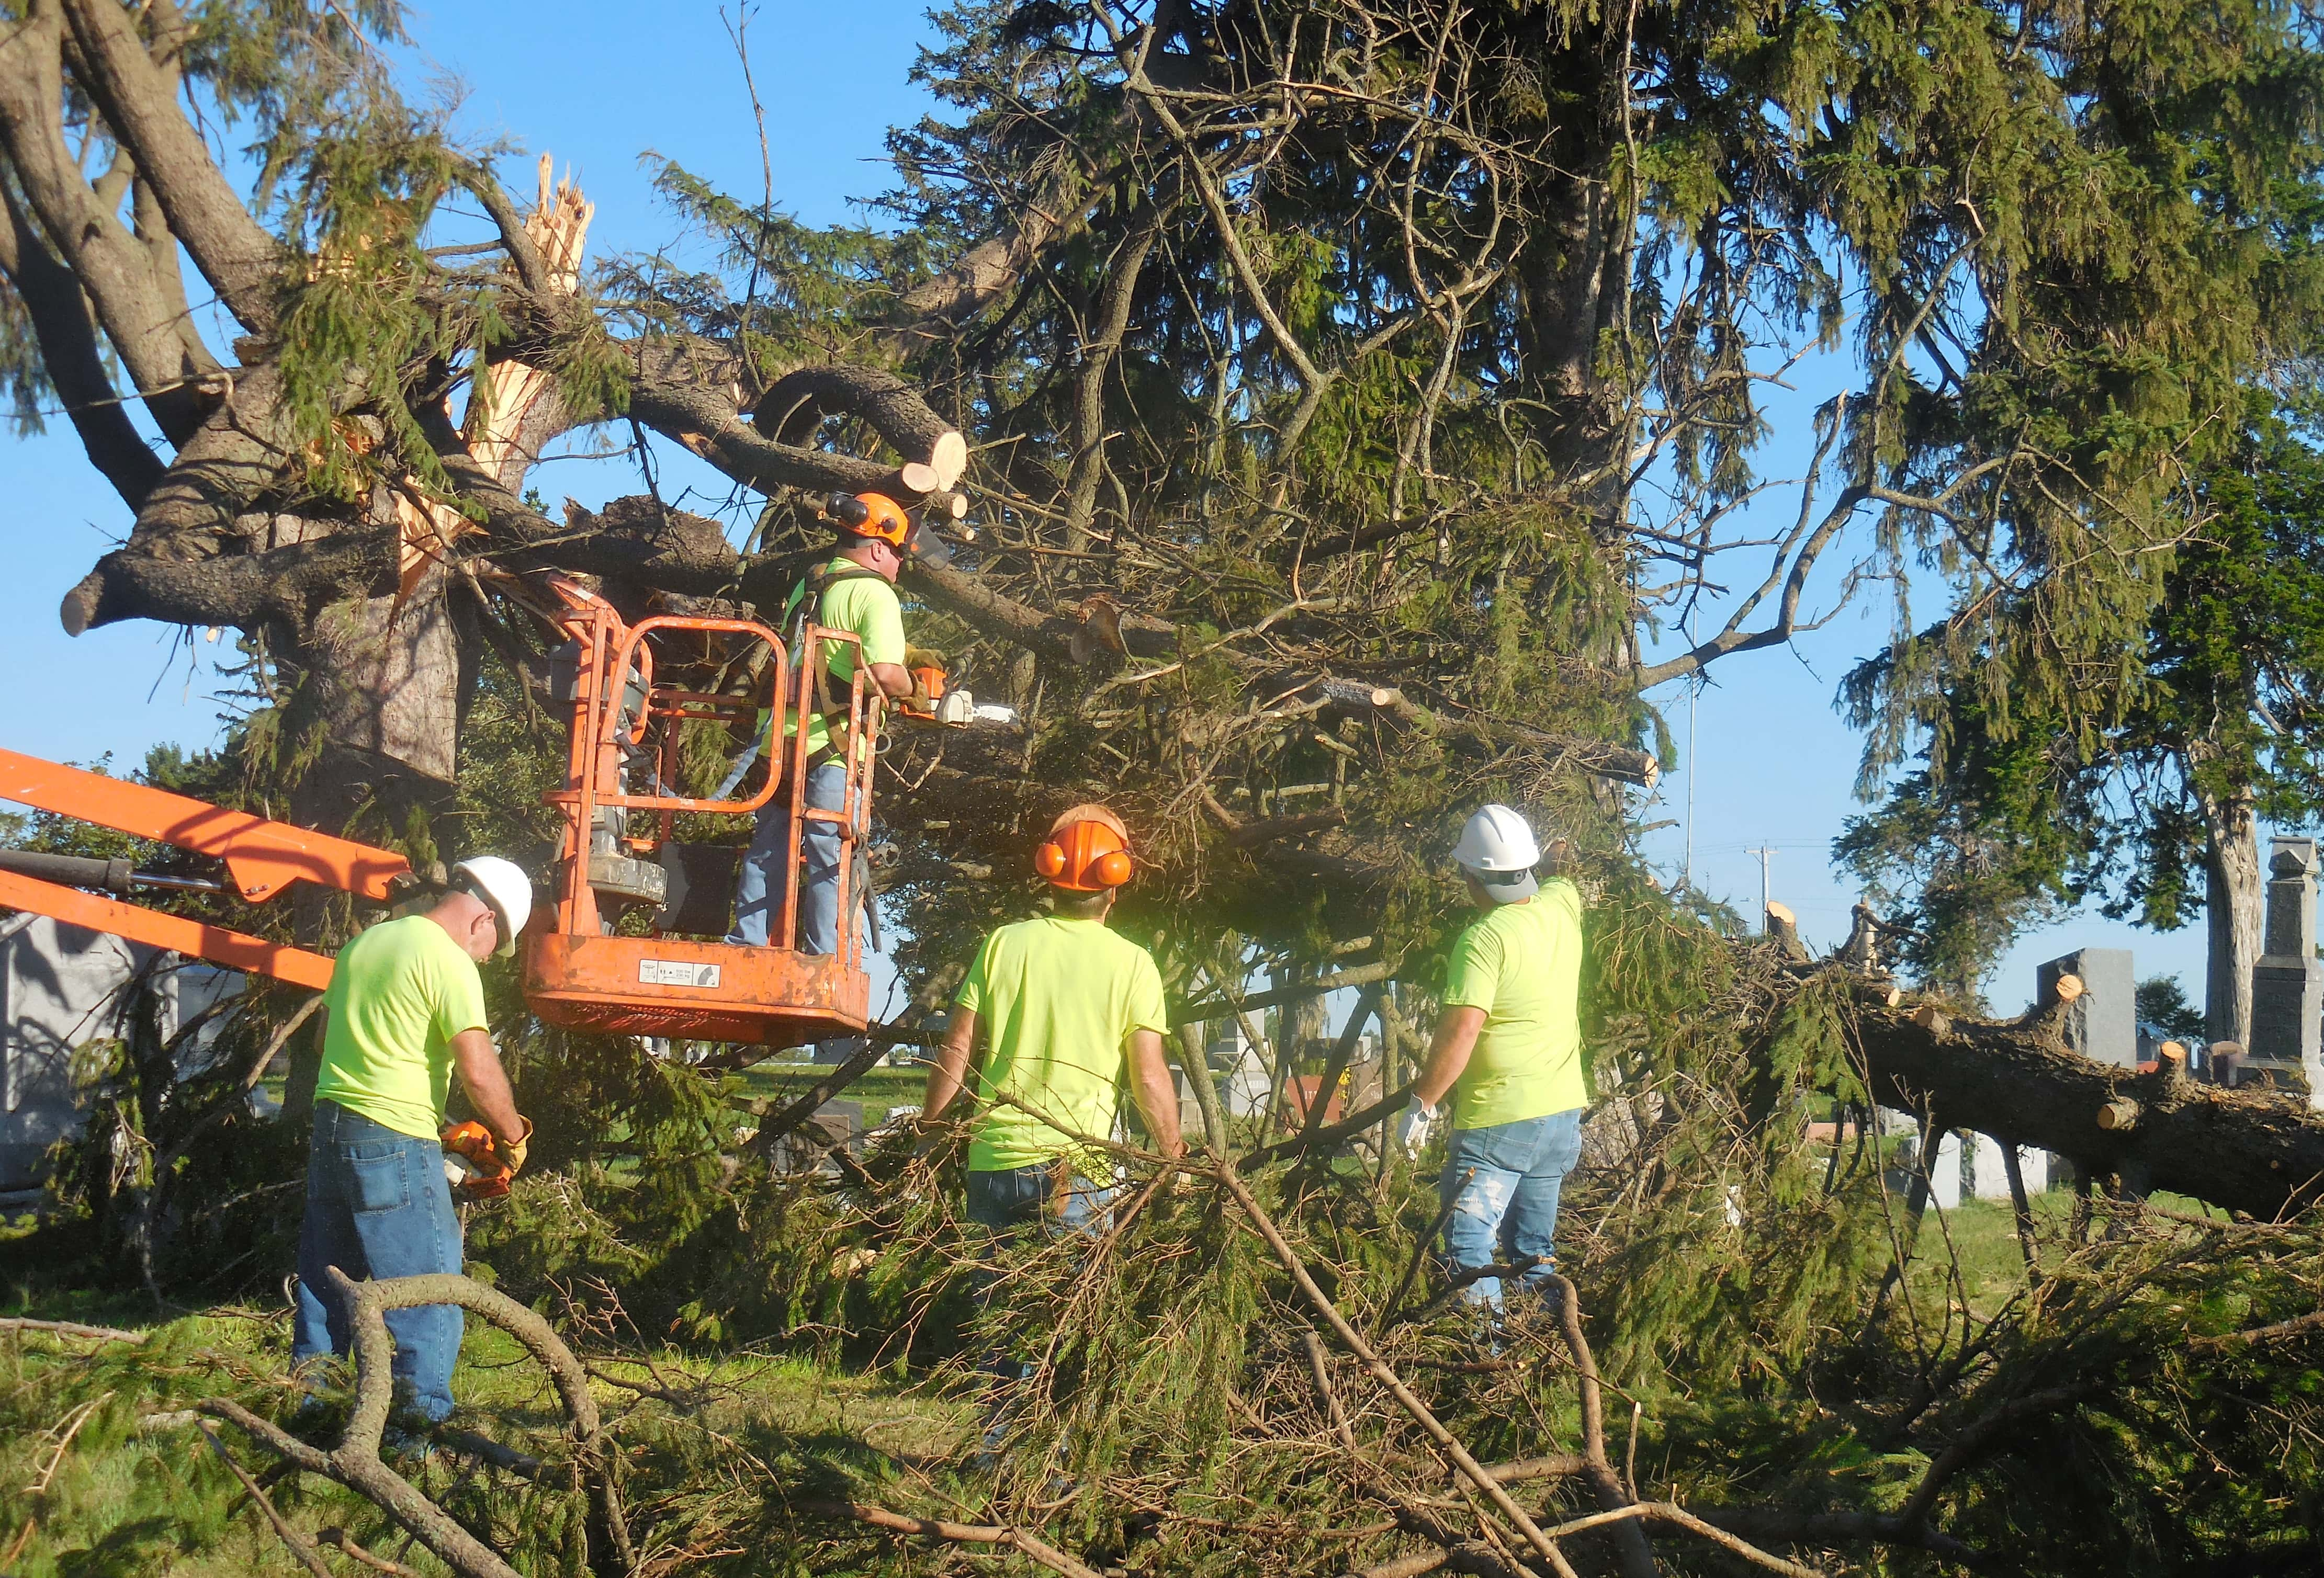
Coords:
599,86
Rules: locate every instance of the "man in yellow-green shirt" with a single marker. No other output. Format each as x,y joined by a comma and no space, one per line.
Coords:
1068,1012
854,591
1507,1051
405,1011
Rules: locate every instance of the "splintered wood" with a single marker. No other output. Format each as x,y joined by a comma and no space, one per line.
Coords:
502,395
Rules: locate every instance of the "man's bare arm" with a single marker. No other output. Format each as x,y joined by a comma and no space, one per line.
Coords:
1156,1090
1448,1053
951,1067
487,1085
892,678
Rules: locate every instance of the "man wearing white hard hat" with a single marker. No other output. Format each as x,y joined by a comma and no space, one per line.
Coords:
405,1009
1507,1053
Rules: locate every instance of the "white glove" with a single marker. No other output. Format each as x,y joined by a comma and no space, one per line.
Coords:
1412,1130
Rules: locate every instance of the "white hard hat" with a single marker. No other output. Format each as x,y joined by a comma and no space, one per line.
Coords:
1498,848
503,885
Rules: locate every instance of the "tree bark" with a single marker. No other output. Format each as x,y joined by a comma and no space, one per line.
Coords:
112,265
139,101
2234,897
73,356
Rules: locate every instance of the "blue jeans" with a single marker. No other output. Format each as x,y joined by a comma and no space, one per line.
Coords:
1026,1196
765,879
1502,1184
378,1206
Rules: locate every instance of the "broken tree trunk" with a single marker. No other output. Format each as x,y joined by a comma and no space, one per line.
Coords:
2256,1151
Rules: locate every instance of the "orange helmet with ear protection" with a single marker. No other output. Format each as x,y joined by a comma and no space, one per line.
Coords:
871,515
1087,852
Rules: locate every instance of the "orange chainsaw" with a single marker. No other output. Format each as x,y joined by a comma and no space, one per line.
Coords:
473,1163
936,699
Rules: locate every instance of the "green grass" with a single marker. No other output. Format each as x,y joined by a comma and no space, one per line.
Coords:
1980,1238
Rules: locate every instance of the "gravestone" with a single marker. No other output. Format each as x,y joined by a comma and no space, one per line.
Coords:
2287,1033
1971,1166
2102,1024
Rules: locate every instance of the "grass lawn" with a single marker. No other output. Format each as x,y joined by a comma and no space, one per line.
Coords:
1980,1238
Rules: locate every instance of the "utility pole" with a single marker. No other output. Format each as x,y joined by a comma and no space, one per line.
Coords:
1766,853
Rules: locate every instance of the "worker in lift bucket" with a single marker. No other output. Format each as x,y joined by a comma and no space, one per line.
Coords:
851,590
1068,1014
404,1011
1508,1055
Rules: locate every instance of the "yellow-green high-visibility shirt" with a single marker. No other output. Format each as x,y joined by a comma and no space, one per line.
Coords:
1522,964
866,607
399,993
1058,998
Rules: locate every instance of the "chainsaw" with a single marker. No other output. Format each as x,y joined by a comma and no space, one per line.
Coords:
472,1164
933,700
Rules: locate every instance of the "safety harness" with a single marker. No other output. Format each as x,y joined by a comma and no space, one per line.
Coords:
808,593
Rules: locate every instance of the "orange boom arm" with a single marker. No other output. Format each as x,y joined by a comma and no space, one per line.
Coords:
262,858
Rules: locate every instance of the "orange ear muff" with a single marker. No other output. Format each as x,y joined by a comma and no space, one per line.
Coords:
1085,856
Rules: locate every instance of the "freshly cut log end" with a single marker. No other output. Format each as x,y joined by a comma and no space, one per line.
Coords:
2067,988
2119,1116
1932,1018
918,478
1881,993
948,459
73,613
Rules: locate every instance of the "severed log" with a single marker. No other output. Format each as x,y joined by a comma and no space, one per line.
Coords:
2256,1151
796,404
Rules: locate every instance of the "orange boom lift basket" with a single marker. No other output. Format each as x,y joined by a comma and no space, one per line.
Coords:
617,809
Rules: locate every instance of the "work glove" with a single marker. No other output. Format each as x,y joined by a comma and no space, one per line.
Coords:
925,657
514,1153
1413,1129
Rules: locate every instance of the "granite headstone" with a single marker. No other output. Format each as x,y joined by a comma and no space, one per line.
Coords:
2287,1031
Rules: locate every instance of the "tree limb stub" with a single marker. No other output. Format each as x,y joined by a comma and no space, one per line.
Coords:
2256,1151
